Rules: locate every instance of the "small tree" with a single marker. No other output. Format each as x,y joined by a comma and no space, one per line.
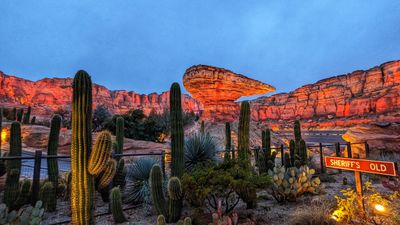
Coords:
100,115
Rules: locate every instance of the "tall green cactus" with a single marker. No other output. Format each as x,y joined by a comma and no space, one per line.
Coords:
116,205
228,141
52,163
177,133
244,131
14,114
48,196
120,175
119,136
27,115
297,131
82,190
287,162
267,157
20,115
11,190
292,150
33,121
173,207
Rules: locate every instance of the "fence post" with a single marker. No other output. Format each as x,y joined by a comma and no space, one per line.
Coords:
349,153
321,158
338,152
163,162
282,155
36,177
366,149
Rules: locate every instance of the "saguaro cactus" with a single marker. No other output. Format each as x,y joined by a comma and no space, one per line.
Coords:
177,133
14,114
116,205
292,150
297,131
267,157
119,136
27,116
33,121
243,134
20,115
173,207
11,189
82,183
120,175
52,163
228,141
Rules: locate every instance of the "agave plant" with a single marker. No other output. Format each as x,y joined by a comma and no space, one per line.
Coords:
200,149
138,190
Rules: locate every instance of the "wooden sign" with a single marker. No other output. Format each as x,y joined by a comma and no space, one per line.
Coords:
362,165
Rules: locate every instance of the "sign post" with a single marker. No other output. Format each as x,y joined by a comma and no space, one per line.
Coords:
359,166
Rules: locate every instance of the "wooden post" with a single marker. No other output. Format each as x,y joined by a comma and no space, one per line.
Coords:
282,155
321,158
337,145
359,188
349,153
36,177
366,149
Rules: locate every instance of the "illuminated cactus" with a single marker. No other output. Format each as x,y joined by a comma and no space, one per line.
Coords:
173,207
177,133
27,116
116,206
13,168
119,136
243,134
228,141
48,196
82,183
52,163
101,152
108,174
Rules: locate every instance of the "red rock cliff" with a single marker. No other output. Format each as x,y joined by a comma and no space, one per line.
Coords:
363,96
49,94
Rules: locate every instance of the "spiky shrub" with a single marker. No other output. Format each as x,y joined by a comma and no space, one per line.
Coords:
52,163
20,115
228,141
24,193
116,205
199,151
243,134
48,196
177,133
27,116
13,168
291,183
119,136
172,207
120,174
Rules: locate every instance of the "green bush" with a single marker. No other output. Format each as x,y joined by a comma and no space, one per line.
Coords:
230,181
100,116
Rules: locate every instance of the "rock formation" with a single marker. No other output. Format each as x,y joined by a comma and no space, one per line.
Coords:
50,94
218,89
363,96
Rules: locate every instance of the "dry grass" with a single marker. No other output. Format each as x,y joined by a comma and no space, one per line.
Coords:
318,213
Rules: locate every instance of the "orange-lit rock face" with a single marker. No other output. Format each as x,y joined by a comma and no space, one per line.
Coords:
356,98
218,89
50,94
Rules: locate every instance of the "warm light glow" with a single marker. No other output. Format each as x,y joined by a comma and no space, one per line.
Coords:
3,135
334,217
379,208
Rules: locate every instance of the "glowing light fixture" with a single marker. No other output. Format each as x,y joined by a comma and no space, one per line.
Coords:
3,135
379,208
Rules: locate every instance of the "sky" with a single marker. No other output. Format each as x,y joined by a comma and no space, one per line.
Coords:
146,45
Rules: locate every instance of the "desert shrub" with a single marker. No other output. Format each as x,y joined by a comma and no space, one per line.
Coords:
314,214
138,189
200,150
291,183
230,181
100,116
348,209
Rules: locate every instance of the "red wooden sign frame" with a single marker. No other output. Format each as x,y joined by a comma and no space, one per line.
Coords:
362,165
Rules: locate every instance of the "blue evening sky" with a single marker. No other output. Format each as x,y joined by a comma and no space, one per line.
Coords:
146,45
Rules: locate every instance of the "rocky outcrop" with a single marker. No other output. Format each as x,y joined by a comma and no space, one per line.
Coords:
50,94
363,96
218,89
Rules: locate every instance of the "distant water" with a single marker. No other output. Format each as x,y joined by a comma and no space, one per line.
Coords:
64,165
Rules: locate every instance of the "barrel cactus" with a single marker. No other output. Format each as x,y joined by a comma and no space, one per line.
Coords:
244,131
52,163
24,193
116,205
291,183
48,196
11,190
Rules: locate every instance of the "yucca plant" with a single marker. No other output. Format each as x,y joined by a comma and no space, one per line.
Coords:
138,174
199,150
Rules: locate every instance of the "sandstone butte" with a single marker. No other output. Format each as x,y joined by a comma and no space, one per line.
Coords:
360,97
218,89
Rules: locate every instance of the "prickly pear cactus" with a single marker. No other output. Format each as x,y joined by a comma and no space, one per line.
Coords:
291,183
